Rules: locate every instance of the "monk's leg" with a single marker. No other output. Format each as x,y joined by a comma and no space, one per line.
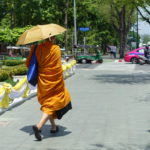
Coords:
43,120
52,121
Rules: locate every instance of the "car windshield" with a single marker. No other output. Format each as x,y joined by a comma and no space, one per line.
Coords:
140,50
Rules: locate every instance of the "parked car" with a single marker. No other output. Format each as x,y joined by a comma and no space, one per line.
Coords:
133,56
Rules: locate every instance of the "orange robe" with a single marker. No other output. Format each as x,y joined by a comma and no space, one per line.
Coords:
51,91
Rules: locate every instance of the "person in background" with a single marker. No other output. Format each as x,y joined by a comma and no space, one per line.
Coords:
113,50
51,92
146,51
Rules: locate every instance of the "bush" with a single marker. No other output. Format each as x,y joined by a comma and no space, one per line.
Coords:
1,63
13,62
4,75
8,72
21,70
10,81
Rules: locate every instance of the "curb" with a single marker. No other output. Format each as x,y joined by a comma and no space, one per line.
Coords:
119,60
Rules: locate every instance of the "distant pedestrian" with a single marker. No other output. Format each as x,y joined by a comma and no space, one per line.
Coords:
113,51
146,52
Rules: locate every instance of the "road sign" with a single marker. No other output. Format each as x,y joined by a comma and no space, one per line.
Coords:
84,29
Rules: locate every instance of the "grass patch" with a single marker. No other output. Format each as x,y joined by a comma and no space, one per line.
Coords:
10,81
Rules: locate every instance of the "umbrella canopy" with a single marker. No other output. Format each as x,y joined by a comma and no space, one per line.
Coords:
40,32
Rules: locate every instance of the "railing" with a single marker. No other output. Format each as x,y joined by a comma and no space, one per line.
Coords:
22,91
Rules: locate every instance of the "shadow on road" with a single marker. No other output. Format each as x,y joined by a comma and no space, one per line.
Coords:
122,146
147,147
98,145
123,79
46,131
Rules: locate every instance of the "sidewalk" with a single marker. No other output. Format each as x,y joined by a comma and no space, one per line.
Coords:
110,112
108,58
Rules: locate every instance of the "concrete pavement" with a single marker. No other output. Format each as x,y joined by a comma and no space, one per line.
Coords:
111,110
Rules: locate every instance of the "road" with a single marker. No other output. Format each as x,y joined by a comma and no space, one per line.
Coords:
111,107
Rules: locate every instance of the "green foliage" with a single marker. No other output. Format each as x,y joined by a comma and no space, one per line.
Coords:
13,62
10,81
146,38
11,36
22,13
1,63
16,16
21,70
4,75
8,72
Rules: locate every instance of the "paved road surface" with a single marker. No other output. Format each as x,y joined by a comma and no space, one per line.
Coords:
111,107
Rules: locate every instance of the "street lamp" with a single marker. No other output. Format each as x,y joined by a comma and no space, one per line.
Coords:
75,26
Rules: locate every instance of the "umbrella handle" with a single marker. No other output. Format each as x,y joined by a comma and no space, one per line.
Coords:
50,37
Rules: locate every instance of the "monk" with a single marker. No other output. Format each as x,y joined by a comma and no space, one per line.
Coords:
52,95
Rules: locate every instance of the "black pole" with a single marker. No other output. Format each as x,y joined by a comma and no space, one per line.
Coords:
75,27
137,44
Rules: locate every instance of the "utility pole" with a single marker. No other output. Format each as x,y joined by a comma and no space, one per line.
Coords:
75,27
137,42
66,24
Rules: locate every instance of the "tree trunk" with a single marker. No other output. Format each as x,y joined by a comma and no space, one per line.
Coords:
123,44
123,18
123,32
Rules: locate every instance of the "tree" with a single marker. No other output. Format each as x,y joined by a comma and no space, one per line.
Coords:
123,13
122,18
90,13
144,11
94,15
10,36
146,38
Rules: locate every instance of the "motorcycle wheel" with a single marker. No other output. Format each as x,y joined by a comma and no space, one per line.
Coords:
134,61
